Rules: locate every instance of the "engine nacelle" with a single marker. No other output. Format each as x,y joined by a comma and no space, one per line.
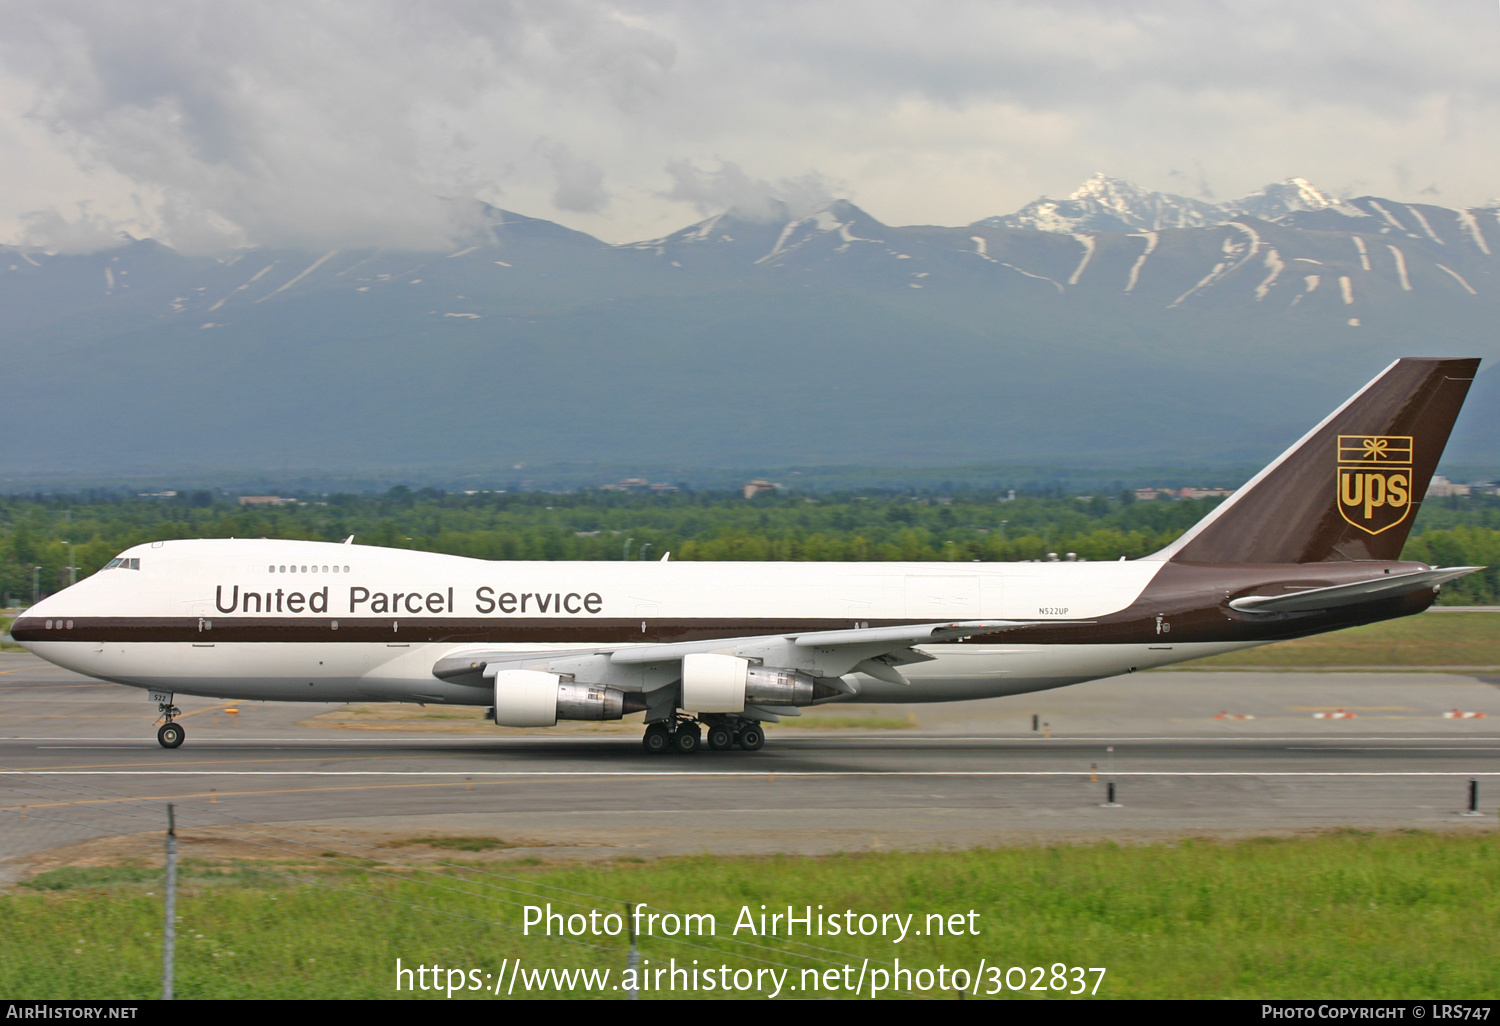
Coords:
534,698
713,683
526,698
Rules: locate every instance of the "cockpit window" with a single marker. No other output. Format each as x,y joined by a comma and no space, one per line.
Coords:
123,564
113,563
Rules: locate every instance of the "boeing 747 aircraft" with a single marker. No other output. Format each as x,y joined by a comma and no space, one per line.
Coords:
1312,543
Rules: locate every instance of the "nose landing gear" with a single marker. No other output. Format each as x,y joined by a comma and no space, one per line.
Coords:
171,734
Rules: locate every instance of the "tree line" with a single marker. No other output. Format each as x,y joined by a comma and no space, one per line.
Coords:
47,540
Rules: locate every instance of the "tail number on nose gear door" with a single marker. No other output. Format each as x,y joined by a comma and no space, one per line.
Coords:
1052,611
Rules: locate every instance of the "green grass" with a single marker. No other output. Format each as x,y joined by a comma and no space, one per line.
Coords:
8,646
1401,915
1431,639
859,722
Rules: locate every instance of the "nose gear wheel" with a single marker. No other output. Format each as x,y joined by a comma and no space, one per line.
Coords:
171,734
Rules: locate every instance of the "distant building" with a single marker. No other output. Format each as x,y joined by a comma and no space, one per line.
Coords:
636,484
750,489
263,500
1150,494
156,495
1441,487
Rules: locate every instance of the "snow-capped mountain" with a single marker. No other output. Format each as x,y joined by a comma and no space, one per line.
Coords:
1286,197
1105,204
830,337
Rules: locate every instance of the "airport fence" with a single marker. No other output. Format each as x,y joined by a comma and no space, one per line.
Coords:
485,909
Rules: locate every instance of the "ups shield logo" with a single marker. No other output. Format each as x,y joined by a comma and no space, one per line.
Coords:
1374,480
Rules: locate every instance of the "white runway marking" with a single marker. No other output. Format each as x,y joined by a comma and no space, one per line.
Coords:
777,740
1398,748
769,771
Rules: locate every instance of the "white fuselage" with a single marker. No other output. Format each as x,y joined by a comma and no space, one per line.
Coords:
313,621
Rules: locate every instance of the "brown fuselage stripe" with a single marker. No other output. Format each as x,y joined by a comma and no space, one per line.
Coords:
1185,603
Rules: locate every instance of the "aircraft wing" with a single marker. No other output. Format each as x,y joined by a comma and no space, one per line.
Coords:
875,651
858,637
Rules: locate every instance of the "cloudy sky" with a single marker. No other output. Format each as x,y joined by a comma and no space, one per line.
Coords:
324,123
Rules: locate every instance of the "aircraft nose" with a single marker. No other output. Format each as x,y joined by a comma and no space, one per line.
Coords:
31,624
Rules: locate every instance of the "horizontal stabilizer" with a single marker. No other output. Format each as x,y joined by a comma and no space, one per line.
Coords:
1386,587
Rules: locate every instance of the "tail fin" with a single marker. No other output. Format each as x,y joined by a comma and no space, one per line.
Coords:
1351,487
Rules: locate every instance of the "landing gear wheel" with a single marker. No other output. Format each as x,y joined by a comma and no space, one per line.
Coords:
720,738
170,735
687,738
752,737
658,738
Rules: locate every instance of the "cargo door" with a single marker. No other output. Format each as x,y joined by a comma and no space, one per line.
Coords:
942,596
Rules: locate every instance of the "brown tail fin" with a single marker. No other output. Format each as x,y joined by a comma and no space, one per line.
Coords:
1351,487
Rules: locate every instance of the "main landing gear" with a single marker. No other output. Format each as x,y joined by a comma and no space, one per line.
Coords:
684,735
171,734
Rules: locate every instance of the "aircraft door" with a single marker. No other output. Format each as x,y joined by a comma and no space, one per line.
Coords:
942,596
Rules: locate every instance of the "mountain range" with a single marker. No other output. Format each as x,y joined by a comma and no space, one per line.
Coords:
1118,326
1105,204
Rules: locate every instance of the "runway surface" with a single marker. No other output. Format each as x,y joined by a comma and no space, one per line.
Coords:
80,770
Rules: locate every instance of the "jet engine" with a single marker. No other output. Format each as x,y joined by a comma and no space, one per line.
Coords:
533,698
713,683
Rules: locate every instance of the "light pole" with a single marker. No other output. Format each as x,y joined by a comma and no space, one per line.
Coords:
36,585
72,570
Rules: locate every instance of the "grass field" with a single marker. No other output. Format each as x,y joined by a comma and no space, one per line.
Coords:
8,646
1430,639
824,721
1400,915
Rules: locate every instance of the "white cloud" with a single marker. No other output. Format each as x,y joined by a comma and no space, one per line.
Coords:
85,232
730,188
580,183
334,122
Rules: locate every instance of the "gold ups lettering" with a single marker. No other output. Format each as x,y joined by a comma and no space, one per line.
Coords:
1374,480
